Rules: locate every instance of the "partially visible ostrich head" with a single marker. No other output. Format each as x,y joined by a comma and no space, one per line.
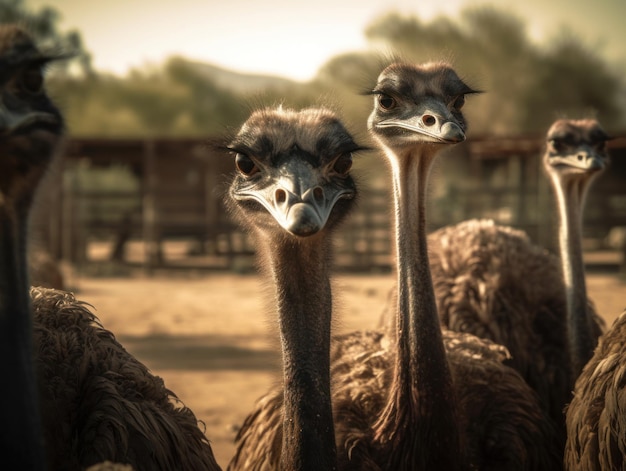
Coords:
576,151
575,156
292,188
30,125
293,171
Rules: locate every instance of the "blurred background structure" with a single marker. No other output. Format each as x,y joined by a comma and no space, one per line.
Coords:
138,186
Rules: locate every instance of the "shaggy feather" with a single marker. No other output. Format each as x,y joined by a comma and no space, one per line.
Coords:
596,417
499,418
491,281
100,403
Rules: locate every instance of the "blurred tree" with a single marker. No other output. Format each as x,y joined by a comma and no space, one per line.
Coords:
43,26
351,70
206,107
528,86
166,101
574,81
346,78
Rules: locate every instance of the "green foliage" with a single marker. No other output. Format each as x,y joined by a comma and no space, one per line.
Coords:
570,80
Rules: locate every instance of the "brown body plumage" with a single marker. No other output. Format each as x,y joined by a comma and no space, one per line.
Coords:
498,415
493,282
596,417
96,401
100,403
418,398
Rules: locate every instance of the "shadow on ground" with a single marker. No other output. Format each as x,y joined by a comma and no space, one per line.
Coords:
206,352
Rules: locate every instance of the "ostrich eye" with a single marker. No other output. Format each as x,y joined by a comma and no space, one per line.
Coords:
459,102
245,165
343,164
386,102
31,80
557,144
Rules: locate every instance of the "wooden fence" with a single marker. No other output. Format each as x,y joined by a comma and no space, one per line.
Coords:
174,216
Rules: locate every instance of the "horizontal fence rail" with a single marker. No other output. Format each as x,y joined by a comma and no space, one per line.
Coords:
171,213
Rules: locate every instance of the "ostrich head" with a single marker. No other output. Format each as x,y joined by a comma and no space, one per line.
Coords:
576,150
418,103
30,124
293,171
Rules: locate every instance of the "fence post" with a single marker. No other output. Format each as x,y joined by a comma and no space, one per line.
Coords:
149,216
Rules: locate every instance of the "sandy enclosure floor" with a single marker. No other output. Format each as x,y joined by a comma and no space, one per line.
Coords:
213,338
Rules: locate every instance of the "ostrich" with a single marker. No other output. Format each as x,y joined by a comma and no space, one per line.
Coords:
291,190
491,281
435,399
481,274
575,156
417,110
30,128
96,401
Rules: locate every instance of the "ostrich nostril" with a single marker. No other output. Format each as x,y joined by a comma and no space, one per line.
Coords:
318,194
429,120
280,196
580,157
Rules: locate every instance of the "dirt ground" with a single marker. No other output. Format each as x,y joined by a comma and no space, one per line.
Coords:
213,337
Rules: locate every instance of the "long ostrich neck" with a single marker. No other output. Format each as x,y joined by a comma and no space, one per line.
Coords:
422,380
301,274
571,194
22,436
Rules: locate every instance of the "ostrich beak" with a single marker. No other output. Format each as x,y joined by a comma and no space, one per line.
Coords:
12,121
300,198
432,122
584,158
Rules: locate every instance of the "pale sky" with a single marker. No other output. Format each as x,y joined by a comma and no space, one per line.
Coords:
293,38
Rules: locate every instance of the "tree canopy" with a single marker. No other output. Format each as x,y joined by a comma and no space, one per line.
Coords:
527,85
